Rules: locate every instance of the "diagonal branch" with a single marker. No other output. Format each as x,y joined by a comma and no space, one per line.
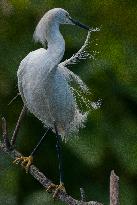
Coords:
6,148
44,181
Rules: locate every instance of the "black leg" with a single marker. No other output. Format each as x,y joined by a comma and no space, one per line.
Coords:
27,161
59,153
39,143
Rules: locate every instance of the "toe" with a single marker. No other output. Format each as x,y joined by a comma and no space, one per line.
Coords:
25,162
51,187
17,160
59,188
27,167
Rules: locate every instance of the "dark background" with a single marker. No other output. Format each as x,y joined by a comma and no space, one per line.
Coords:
109,140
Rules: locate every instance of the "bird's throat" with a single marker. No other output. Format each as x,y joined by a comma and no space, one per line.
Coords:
56,43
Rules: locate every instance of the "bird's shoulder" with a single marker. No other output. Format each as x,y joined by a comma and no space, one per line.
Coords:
32,59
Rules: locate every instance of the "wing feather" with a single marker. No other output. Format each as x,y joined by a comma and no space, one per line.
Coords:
80,90
81,54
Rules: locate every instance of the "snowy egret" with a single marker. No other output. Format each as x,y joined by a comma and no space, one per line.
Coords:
46,85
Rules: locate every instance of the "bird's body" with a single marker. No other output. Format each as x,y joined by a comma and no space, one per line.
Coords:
48,88
44,82
45,90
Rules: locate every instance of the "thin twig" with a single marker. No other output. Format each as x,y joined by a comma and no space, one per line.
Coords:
83,195
44,181
114,189
14,136
5,133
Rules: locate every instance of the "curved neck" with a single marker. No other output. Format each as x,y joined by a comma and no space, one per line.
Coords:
56,43
49,31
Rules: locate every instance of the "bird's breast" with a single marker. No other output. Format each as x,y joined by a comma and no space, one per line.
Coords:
47,94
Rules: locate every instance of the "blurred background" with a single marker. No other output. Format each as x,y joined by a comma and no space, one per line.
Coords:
109,140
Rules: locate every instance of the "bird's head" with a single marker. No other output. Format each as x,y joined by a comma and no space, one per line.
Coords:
61,16
51,20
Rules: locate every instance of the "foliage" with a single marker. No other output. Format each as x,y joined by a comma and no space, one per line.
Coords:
109,140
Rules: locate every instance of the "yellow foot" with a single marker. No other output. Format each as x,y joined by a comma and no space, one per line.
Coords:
57,188
25,162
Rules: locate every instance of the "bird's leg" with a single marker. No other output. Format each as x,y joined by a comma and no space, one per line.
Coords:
16,130
27,161
59,187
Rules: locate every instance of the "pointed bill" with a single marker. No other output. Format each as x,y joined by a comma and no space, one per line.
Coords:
77,23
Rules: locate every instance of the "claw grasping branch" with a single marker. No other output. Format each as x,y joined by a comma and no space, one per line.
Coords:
45,182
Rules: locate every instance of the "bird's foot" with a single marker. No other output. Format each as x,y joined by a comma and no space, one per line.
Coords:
56,188
25,162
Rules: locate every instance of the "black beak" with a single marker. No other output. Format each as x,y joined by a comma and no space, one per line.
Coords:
77,23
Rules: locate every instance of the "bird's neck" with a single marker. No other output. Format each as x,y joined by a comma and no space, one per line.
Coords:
48,31
56,43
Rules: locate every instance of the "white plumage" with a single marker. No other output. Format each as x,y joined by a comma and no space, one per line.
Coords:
45,84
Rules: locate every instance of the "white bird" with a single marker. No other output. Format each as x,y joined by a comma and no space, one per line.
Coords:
46,85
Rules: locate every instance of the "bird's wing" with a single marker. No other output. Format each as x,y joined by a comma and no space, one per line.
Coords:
81,54
78,87
20,74
20,86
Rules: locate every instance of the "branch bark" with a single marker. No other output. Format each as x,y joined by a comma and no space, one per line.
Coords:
14,136
6,148
44,181
5,133
114,189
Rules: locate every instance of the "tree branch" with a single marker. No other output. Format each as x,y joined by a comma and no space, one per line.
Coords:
114,189
6,148
5,133
44,181
14,136
83,195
